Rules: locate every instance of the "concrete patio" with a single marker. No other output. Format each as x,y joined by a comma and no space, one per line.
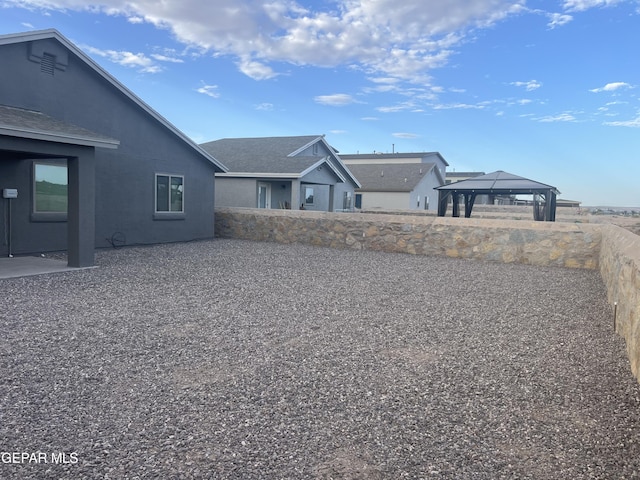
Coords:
24,266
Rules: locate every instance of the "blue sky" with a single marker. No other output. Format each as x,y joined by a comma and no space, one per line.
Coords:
548,90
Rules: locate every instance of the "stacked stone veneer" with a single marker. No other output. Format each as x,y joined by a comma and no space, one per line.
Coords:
615,251
620,268
536,243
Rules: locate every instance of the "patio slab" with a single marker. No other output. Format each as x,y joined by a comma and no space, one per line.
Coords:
13,267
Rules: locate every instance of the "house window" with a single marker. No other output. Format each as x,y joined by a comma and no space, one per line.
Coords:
50,188
347,200
315,149
308,195
169,193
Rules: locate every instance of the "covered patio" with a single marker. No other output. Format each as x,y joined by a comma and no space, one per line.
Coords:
27,136
498,183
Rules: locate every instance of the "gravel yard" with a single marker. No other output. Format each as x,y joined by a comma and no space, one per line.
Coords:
238,360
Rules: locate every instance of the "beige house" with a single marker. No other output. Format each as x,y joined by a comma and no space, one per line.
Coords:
397,181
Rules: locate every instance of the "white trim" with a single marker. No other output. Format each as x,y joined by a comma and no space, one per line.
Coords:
313,195
60,138
320,162
304,147
267,195
155,193
258,175
340,162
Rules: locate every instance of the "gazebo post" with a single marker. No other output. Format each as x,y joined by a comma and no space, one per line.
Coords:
550,212
443,199
456,205
469,200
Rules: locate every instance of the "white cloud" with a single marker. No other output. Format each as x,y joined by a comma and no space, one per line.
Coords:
635,123
265,106
581,5
405,135
529,86
384,80
209,90
138,61
558,19
383,37
458,106
611,87
166,58
563,117
370,119
335,100
402,107
256,70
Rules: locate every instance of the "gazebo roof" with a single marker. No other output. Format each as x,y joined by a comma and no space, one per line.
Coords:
499,182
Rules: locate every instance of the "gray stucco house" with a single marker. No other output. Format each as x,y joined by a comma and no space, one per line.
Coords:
397,186
87,162
397,181
298,172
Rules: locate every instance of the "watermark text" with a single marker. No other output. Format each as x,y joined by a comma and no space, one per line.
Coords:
55,458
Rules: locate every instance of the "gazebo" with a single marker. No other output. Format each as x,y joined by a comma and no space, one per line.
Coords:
499,183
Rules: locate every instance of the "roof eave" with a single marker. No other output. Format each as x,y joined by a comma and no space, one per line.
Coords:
258,175
498,191
335,155
58,138
304,147
324,160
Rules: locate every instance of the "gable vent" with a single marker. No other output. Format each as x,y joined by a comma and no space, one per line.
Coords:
48,64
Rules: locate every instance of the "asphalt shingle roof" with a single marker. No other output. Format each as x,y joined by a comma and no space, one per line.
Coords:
392,156
390,177
32,124
263,155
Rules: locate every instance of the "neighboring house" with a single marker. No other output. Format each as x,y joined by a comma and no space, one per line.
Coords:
397,186
403,181
92,165
453,177
459,176
300,172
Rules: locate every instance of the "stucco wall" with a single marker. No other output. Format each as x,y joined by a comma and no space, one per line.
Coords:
425,190
387,200
611,249
125,188
240,192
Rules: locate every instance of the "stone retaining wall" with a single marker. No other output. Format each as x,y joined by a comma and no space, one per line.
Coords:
614,250
535,243
620,269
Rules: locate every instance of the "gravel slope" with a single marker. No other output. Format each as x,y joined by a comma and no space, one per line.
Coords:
238,360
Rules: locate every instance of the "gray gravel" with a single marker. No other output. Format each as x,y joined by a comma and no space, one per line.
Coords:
233,359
